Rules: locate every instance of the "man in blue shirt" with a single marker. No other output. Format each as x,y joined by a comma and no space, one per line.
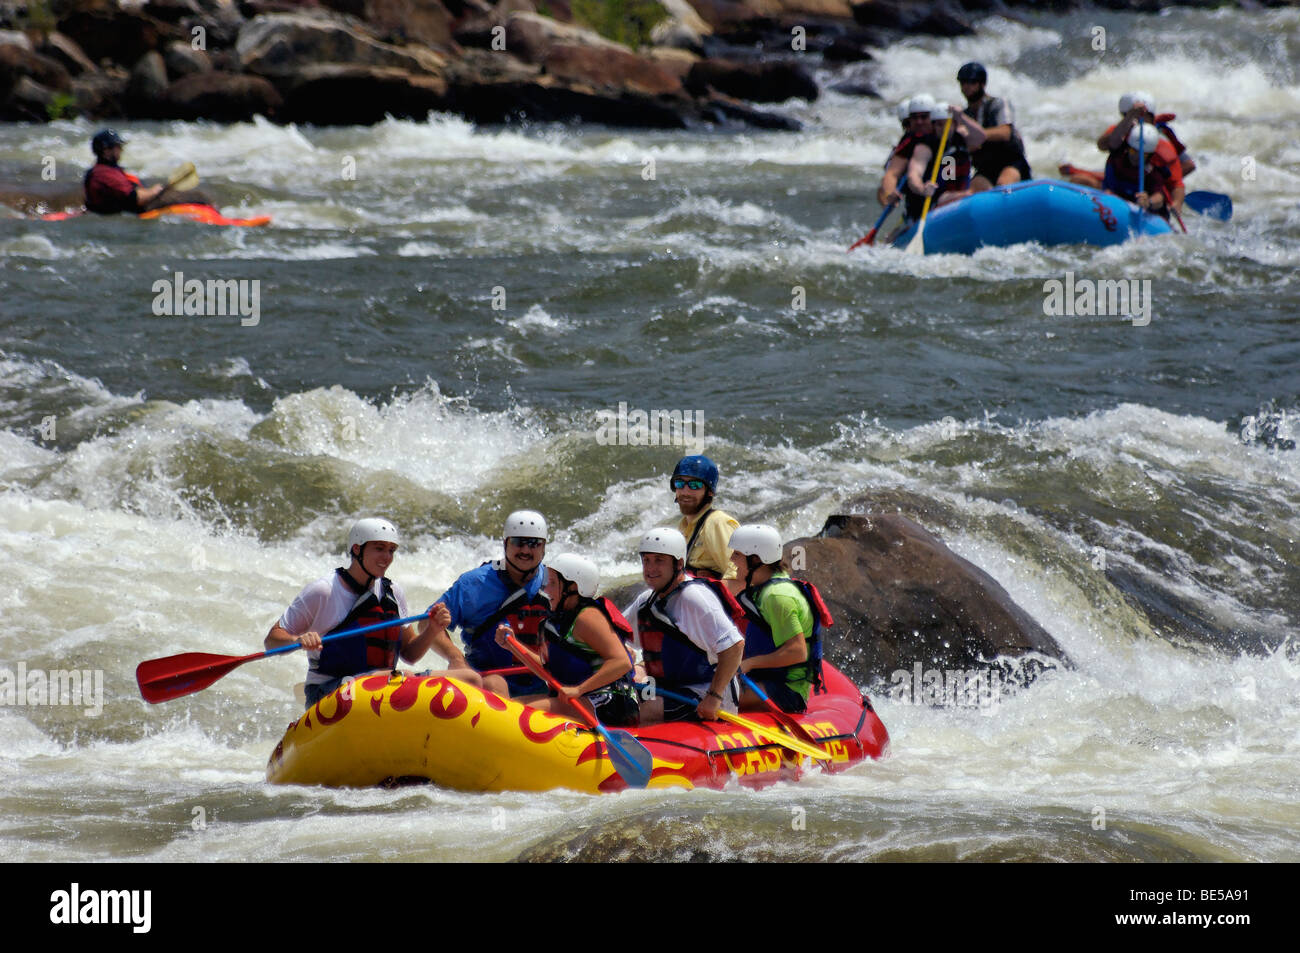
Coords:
507,590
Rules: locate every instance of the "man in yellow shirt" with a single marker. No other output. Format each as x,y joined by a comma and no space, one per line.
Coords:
707,530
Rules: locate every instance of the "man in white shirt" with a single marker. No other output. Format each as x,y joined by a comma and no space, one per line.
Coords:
350,598
688,643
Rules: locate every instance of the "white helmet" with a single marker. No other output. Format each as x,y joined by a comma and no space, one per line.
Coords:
372,530
1146,134
920,103
757,539
905,109
669,542
579,570
527,523
1137,96
939,112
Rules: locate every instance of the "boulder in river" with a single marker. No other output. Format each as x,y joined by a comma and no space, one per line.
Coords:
900,597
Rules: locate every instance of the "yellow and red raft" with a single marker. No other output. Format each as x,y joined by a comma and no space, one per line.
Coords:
385,730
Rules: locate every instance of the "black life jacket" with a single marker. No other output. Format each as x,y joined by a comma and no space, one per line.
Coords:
368,651
758,634
571,660
668,653
955,157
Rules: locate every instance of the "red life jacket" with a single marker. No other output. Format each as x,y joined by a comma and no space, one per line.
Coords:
523,613
110,190
668,653
368,651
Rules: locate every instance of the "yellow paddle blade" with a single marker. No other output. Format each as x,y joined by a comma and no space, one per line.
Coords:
185,177
776,736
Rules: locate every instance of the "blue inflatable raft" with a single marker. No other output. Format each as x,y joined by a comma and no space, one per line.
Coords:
1044,211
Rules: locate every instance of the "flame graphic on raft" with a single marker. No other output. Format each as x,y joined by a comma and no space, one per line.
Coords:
491,730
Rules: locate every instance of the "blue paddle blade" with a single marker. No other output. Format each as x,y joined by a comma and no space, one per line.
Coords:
632,760
1214,204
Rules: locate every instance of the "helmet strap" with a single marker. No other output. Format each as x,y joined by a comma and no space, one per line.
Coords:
359,558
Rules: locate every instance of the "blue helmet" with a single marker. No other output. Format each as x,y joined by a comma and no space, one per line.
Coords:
697,467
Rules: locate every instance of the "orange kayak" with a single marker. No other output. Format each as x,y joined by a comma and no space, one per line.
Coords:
204,214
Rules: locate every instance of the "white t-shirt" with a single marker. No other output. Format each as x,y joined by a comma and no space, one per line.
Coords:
321,606
702,619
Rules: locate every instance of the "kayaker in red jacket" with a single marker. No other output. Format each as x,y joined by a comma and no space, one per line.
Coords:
111,190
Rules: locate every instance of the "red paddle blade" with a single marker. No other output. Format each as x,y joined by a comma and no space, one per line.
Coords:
163,679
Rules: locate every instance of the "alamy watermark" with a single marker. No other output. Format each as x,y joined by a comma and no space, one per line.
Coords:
129,907
655,428
1108,297
211,298
37,687
947,688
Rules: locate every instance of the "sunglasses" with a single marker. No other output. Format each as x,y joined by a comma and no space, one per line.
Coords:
526,542
679,482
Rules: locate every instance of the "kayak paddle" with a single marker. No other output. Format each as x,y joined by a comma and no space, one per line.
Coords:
870,237
917,245
185,177
762,731
1214,204
1169,201
176,676
777,712
632,760
1142,157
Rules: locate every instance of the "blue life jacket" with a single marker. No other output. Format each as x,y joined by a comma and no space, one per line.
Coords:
667,652
758,634
524,613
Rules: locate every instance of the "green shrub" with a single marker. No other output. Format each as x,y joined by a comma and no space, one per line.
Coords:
624,21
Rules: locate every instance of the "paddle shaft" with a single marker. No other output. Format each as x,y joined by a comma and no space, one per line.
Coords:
175,676
1142,157
776,737
780,714
870,237
1169,200
636,775
918,243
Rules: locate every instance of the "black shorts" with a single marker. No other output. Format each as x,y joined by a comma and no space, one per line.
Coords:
991,166
615,706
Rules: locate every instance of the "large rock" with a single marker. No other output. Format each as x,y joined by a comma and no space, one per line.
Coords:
530,36
608,69
224,97
18,62
282,45
900,597
106,31
937,17
67,52
148,85
725,16
758,81
335,94
183,60
99,95
402,21
26,101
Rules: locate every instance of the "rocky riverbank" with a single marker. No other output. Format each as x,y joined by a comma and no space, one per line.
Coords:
635,63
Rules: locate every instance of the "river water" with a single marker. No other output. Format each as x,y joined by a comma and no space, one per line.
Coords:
443,315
